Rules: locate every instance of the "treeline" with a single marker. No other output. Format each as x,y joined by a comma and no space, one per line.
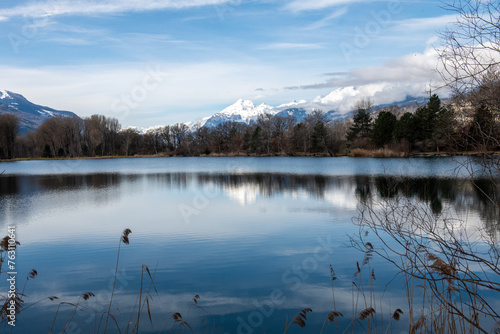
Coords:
432,127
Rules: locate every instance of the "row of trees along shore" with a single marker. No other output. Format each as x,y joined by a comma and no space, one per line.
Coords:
432,127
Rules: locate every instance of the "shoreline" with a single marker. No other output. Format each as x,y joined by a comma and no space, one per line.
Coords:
367,154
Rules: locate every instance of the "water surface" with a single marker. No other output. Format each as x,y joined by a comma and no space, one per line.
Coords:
253,237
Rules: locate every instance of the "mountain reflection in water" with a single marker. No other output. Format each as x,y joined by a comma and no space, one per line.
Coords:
463,195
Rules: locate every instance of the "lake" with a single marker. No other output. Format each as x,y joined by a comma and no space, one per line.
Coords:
253,237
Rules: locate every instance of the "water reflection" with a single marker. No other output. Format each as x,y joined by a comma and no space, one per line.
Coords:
24,185
248,232
480,196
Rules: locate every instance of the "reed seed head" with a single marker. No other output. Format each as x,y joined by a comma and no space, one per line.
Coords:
396,315
125,234
366,313
333,315
301,317
33,273
87,295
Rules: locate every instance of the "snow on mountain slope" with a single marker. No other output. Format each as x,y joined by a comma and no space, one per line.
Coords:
3,94
245,109
337,104
242,111
142,131
30,115
291,104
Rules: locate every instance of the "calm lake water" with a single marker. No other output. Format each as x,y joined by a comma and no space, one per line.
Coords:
253,237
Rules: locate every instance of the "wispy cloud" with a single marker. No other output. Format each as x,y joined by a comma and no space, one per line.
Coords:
78,30
427,23
327,20
303,5
69,41
293,46
82,7
147,38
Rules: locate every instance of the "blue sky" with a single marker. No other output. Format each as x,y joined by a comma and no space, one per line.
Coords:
168,61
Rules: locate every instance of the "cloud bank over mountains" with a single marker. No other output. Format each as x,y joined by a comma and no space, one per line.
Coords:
336,105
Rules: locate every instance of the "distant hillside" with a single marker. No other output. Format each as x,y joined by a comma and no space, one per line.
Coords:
30,115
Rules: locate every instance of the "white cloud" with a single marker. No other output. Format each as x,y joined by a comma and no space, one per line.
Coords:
380,93
326,21
303,5
427,23
69,41
432,40
414,68
389,82
293,46
82,7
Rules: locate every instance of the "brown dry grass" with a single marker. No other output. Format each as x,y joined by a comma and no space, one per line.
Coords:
378,153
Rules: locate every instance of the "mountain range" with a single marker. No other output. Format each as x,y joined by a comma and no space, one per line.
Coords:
30,115
339,104
336,105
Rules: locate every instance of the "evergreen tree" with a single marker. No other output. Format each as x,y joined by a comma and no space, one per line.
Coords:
256,143
362,126
483,132
445,128
406,128
426,118
319,137
383,128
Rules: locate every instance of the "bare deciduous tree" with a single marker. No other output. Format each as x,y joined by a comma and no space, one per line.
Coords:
471,52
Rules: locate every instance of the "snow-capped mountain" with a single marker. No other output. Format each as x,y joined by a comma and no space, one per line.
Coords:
243,111
30,115
336,105
140,130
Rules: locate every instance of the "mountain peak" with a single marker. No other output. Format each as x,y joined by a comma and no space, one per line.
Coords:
30,115
238,107
246,109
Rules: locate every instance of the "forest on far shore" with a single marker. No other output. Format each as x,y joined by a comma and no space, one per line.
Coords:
434,127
